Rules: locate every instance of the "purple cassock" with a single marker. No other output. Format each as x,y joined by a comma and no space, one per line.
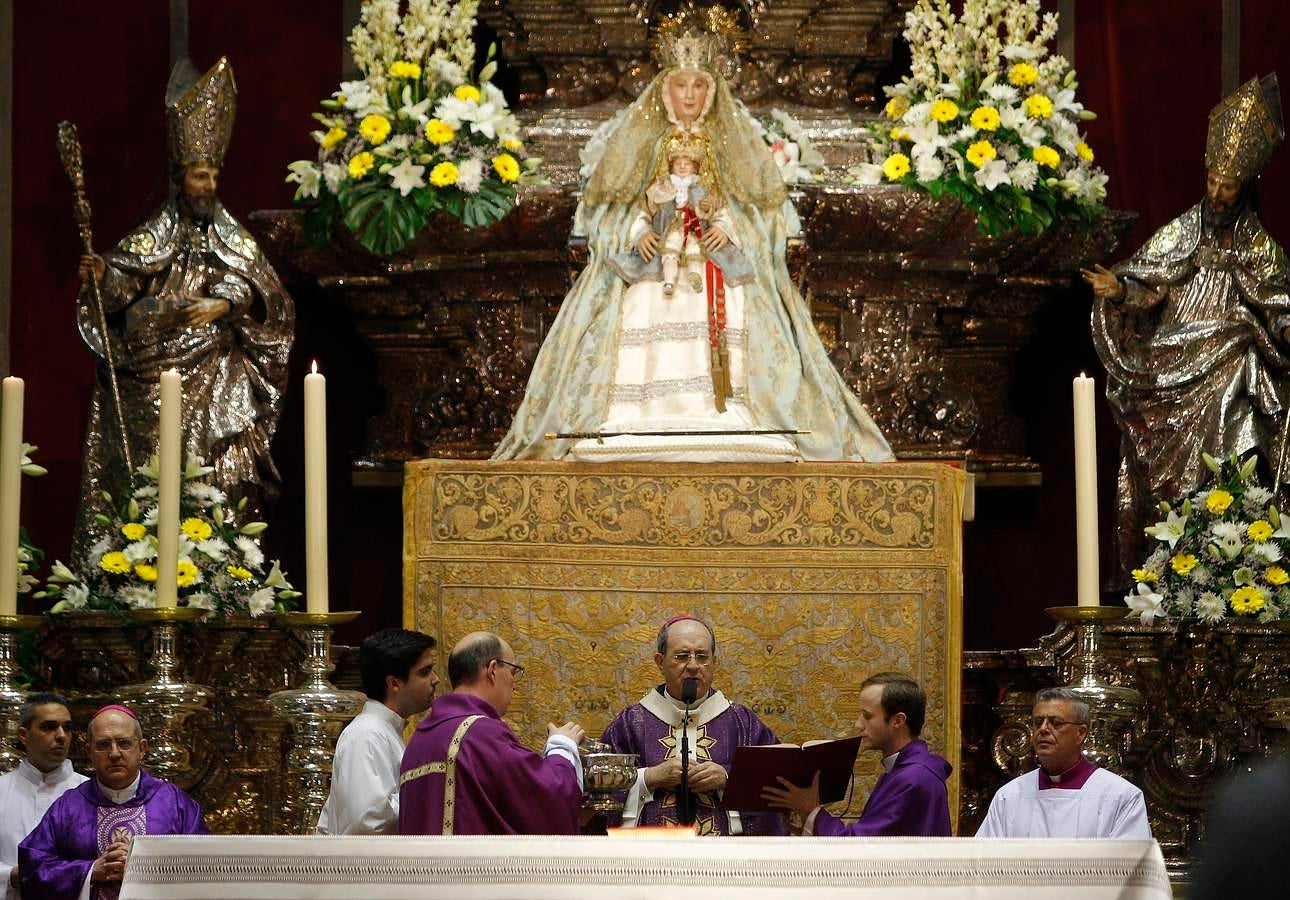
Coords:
652,728
54,860
909,801
465,772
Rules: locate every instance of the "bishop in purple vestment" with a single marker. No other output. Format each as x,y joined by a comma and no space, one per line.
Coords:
465,771
910,798
81,845
652,729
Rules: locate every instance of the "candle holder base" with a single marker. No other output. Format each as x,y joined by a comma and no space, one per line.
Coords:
11,699
317,711
165,703
1115,710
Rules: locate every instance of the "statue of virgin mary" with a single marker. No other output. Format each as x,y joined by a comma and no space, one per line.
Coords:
640,361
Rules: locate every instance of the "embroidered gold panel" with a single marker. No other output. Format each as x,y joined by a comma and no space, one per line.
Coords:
813,575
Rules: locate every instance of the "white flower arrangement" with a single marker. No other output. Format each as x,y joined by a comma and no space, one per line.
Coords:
1222,552
220,566
791,148
989,117
412,136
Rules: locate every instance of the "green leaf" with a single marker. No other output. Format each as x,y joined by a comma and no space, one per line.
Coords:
382,219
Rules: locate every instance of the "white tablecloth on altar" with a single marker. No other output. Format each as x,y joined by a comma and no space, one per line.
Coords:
591,868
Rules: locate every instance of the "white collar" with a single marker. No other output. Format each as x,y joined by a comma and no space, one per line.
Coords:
56,775
386,715
124,795
889,762
681,184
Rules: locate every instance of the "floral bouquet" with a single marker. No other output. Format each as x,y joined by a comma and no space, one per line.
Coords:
989,117
1222,552
221,566
29,555
791,148
413,135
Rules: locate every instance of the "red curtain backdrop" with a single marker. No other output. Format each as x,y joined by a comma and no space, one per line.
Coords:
1150,70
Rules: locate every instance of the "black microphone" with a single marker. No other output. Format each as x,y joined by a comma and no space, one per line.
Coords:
684,799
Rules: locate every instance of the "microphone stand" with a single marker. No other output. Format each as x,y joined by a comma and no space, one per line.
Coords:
684,799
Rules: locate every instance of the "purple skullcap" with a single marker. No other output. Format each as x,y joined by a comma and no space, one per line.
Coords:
681,618
114,707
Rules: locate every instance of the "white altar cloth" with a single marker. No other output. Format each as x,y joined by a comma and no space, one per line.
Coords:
642,868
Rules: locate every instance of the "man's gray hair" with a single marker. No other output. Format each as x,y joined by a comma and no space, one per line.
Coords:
27,712
661,643
1079,706
138,726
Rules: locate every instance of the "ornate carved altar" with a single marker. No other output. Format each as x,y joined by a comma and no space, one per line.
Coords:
1215,696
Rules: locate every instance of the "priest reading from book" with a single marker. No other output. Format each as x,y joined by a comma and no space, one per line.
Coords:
909,798
465,771
44,773
1067,796
80,847
684,718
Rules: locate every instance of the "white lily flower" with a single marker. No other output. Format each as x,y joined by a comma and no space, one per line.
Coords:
277,578
307,175
1064,101
993,174
871,174
1146,602
1170,530
333,175
406,177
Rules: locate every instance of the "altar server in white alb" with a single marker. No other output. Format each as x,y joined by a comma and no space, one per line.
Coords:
45,730
397,668
1066,796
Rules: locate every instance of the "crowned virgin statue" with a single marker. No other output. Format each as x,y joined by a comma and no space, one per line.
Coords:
684,338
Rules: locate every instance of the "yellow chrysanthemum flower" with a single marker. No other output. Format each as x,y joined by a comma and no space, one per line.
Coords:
945,110
895,167
1276,575
1145,576
1084,151
981,153
1023,74
443,175
438,132
466,92
146,572
507,168
513,145
333,137
133,531
361,164
1047,156
405,69
1218,501
195,528
1038,106
1259,530
115,562
237,573
1183,563
896,107
186,575
1248,600
376,128
985,118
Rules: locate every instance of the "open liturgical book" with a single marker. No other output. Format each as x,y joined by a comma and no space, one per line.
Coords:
756,768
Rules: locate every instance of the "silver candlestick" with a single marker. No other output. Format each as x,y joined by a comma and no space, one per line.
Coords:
11,699
165,703
317,711
1115,710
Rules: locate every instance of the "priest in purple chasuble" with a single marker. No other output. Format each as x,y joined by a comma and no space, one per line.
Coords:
1066,796
79,849
466,772
686,649
910,798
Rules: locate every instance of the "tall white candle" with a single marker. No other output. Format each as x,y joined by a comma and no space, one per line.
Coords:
1086,568
10,492
169,462
315,492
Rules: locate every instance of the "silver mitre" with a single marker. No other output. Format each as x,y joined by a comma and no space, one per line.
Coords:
199,112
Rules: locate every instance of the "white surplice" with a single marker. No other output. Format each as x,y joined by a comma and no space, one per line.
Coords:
364,796
25,794
1107,806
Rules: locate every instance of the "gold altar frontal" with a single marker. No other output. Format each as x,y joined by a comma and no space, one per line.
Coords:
814,575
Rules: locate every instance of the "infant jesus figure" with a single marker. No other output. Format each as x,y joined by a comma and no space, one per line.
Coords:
682,227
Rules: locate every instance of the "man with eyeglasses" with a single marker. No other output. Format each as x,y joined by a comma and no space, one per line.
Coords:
43,774
466,772
80,848
686,649
1067,796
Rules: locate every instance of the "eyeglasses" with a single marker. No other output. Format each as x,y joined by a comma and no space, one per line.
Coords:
700,657
1054,723
516,668
105,745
